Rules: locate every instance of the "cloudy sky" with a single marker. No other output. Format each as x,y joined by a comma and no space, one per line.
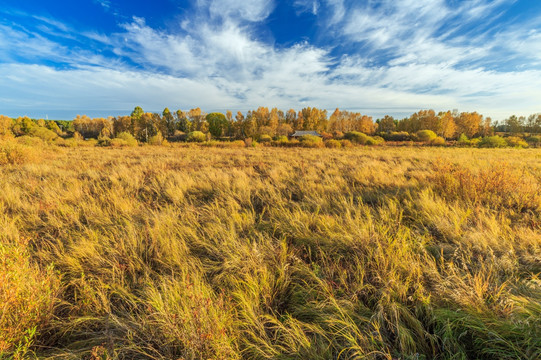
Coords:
103,57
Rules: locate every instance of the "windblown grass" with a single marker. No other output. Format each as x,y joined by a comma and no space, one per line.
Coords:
272,253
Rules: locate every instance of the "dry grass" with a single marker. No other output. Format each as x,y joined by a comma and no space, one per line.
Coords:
261,253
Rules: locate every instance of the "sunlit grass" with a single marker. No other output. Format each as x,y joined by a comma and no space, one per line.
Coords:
198,252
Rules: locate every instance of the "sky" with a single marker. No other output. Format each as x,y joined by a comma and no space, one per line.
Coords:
60,58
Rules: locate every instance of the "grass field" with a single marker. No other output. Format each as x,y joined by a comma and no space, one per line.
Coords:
271,253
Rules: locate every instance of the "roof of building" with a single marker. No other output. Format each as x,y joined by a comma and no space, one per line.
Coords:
307,132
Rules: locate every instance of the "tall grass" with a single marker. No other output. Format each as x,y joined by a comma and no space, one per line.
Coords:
272,253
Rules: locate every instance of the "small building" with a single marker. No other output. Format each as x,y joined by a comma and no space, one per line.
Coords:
299,134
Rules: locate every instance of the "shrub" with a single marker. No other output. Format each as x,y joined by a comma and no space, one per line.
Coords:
463,140
517,142
426,135
12,152
356,137
374,140
311,141
237,144
281,141
89,142
346,143
265,139
69,143
30,141
104,141
493,142
128,139
116,142
156,139
438,141
534,141
196,136
326,136
77,136
333,144
397,136
43,133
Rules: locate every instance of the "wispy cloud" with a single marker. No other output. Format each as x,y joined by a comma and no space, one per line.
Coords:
399,57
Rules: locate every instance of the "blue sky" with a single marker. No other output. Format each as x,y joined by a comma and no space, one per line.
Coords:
103,57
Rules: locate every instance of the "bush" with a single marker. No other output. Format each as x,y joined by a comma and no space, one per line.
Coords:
493,142
517,142
326,136
265,139
426,135
128,139
534,141
397,136
346,143
356,137
196,136
463,140
311,141
237,144
281,141
333,144
12,152
89,142
104,141
43,133
438,141
156,139
30,141
69,143
374,140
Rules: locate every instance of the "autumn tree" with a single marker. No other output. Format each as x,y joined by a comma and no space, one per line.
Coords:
149,125
5,126
92,128
468,123
197,119
446,126
122,124
313,119
249,126
387,124
291,117
22,126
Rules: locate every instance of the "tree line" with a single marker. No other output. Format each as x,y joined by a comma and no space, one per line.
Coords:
272,123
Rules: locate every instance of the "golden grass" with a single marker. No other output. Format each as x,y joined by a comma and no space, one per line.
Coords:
190,252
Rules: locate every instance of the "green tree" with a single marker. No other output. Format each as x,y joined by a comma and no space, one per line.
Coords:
515,124
137,113
217,123
169,121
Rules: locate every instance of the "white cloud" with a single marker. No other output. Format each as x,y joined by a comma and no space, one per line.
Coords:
222,64
249,10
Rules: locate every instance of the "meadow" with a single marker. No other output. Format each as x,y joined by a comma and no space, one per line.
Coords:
193,252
